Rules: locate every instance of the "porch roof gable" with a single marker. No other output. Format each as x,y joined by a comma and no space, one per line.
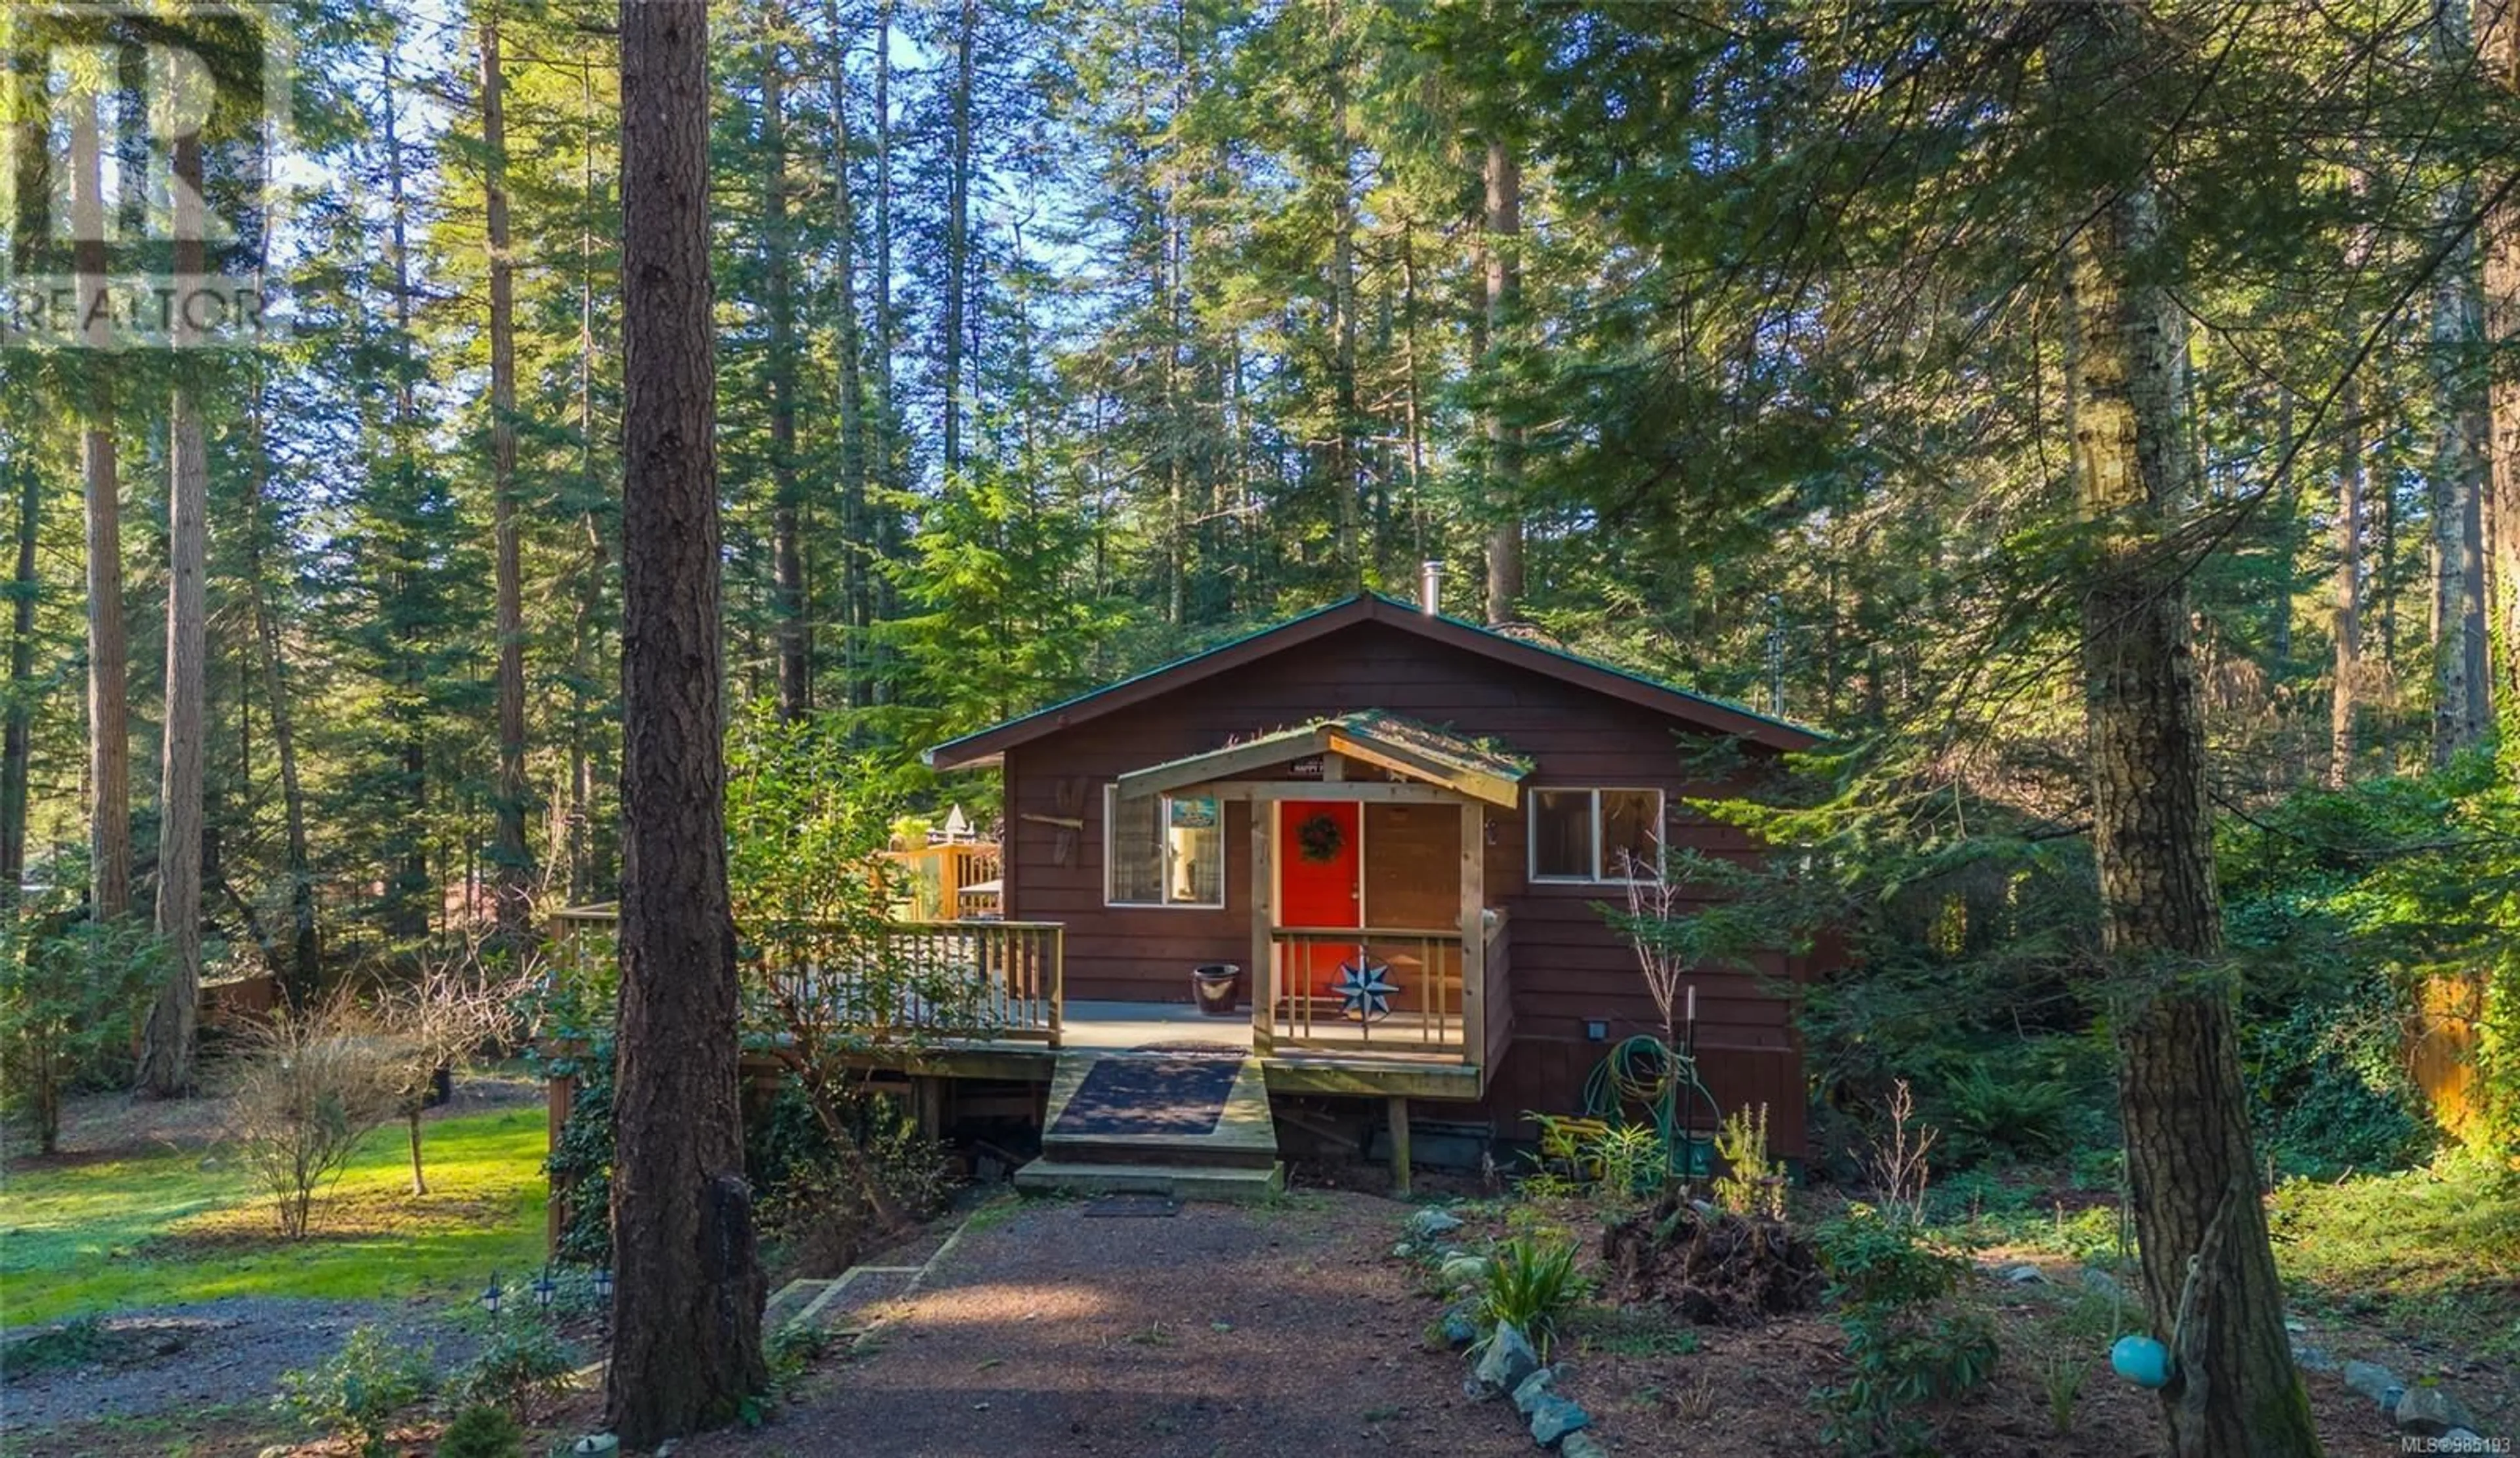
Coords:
985,746
1482,771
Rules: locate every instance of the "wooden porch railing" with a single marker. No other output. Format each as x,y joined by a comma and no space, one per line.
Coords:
912,978
950,880
933,979
1422,965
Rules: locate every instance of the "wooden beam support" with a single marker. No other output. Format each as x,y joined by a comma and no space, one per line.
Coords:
1475,940
1399,1107
1260,790
927,1104
1263,972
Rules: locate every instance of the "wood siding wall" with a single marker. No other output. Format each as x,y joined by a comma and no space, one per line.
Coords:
1568,966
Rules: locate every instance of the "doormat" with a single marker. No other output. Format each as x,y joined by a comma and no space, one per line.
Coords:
1169,1095
1131,1207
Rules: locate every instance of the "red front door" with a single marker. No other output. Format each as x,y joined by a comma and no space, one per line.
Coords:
1317,885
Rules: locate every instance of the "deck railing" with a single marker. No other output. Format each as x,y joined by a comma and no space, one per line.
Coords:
950,880
997,980
1422,968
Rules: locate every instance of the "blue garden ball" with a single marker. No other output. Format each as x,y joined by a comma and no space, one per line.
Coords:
2141,1361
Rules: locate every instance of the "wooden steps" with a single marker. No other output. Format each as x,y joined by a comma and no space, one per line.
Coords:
1172,1150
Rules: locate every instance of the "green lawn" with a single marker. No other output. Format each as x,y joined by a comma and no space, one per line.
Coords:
185,1227
2431,1252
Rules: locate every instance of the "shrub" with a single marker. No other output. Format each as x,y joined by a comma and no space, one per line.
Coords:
1531,1283
1902,1349
525,1363
481,1432
68,987
356,1392
814,1206
2026,1116
311,1086
1751,1184
1632,1158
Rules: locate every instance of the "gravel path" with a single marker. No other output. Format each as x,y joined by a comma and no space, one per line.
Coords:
207,1353
1219,1331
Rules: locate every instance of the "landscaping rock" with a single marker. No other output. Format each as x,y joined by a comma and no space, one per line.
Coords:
2310,1358
1428,1224
1461,1325
1580,1445
2432,1412
1554,1417
2373,1381
2025,1275
1508,1360
1528,1393
1458,1272
2100,1283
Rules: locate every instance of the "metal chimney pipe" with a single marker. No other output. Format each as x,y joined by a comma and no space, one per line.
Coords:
1430,587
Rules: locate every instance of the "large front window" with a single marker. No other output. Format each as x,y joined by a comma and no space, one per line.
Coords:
1595,834
1162,850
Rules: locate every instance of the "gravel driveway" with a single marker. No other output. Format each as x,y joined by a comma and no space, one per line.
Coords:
1218,1330
207,1353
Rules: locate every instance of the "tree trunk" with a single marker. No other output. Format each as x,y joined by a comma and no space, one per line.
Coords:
108,648
304,969
686,1308
2497,44
2208,1269
167,1036
958,232
419,1175
1505,444
17,744
514,871
1345,473
407,882
2347,628
787,551
857,601
888,463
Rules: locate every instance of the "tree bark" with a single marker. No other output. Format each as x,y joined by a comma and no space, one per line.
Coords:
406,881
17,741
888,464
2498,45
857,601
957,232
786,549
2461,689
2347,626
1346,476
2208,1269
108,647
303,970
686,1308
167,1036
1505,445
514,871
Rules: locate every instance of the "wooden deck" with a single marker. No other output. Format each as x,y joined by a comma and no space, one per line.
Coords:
1125,1027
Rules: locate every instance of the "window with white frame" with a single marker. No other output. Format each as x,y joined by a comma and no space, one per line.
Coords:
1593,834
1162,850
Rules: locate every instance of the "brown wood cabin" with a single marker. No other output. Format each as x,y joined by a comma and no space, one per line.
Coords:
1400,828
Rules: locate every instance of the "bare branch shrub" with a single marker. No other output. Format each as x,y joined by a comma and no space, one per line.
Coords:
310,1086
1896,1163
437,1024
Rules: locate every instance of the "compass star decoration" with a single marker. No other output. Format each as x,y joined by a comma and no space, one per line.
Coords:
1365,991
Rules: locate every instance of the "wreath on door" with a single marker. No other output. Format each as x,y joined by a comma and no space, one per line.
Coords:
1319,838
